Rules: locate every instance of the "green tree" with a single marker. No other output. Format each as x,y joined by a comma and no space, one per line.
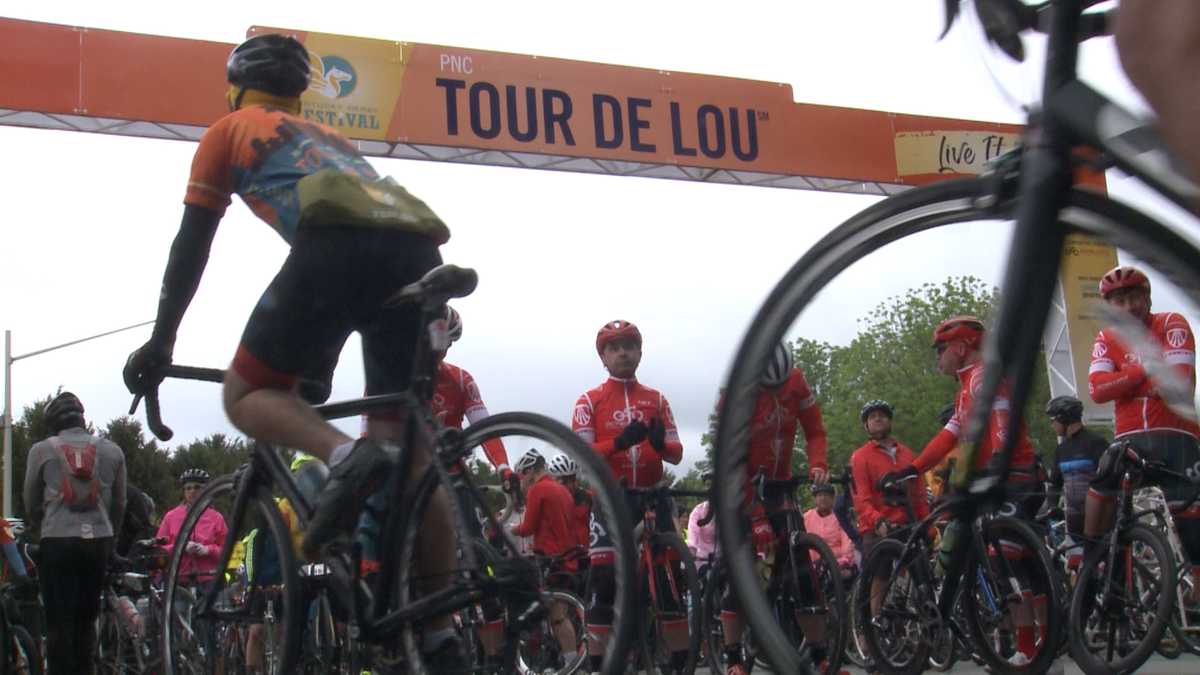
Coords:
147,466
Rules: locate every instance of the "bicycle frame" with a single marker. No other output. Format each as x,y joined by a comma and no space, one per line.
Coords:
1072,115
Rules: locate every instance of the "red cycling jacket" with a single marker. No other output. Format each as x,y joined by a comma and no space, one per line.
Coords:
602,414
581,518
871,462
777,413
455,396
1116,374
548,513
970,380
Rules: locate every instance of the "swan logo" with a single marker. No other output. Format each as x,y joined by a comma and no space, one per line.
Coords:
334,78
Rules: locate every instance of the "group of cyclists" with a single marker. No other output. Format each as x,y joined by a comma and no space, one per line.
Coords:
356,238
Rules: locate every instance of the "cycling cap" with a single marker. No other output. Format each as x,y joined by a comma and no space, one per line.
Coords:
453,324
530,460
872,406
617,330
1122,277
562,466
274,63
964,328
63,412
1065,409
945,414
194,476
779,366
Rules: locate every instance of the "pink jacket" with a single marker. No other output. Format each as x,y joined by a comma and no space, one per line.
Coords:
702,540
210,532
831,531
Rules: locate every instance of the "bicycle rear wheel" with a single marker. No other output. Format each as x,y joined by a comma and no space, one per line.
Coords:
193,641
909,213
518,431
1118,614
815,599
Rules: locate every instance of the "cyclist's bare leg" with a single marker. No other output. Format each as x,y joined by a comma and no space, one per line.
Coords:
254,646
436,554
1159,46
732,625
279,416
563,630
1099,514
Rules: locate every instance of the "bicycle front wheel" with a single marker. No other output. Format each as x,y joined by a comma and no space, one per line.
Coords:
1000,621
676,589
194,638
814,603
892,600
1122,603
890,220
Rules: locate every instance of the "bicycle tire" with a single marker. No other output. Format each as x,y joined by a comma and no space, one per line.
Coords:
607,503
905,656
174,626
655,651
887,221
831,588
29,653
110,641
1014,533
856,642
1164,572
575,613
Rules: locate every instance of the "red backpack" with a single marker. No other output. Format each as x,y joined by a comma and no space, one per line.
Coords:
80,482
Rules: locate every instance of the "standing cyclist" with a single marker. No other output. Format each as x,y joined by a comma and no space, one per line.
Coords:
631,426
202,552
355,240
958,342
785,404
563,468
75,492
1142,416
1075,460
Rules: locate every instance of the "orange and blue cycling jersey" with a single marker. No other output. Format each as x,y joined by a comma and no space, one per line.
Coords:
261,153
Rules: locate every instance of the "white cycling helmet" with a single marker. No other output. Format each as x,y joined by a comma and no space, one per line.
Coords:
779,366
562,466
529,460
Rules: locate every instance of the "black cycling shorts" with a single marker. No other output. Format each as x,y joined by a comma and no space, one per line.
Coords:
335,281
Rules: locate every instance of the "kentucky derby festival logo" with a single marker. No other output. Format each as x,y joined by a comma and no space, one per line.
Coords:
334,78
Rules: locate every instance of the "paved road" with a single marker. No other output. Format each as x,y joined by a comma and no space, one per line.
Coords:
1189,665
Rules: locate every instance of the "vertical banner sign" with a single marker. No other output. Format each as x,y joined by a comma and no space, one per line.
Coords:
1085,260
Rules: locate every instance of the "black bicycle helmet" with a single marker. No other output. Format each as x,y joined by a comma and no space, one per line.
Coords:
274,63
871,406
64,412
1065,409
194,476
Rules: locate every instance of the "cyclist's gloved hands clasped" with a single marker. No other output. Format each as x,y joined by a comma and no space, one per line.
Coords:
657,434
140,367
195,548
633,433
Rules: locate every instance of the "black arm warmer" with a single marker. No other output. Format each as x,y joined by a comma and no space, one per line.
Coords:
185,266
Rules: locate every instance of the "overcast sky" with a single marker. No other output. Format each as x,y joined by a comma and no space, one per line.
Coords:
88,219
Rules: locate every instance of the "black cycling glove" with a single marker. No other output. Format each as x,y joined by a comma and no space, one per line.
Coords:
632,434
657,433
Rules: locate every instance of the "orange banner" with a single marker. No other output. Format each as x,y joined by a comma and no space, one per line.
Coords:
396,92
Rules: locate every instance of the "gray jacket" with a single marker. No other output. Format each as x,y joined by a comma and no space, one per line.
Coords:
43,492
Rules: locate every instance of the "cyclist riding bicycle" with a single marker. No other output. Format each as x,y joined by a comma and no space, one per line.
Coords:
785,404
958,342
355,240
566,471
549,507
631,426
1075,460
202,553
1142,416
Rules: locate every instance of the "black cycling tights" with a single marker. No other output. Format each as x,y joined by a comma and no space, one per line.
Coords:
71,571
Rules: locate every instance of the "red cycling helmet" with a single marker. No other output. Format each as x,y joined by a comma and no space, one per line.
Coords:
616,330
1120,277
963,327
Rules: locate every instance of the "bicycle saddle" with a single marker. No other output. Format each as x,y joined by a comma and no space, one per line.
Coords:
438,286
